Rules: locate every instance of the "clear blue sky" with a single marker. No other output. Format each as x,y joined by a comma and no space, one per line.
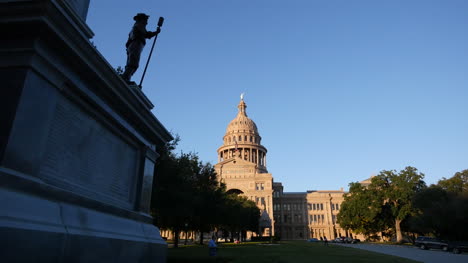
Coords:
339,89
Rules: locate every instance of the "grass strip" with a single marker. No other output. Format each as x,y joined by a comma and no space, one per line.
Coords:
285,252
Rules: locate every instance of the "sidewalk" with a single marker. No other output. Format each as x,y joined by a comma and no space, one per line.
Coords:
426,256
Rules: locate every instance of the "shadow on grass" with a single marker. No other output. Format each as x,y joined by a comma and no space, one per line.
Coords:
195,254
286,252
200,260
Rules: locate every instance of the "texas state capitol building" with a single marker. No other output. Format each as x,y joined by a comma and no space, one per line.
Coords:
242,166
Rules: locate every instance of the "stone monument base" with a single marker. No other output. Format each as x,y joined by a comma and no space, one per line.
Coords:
60,229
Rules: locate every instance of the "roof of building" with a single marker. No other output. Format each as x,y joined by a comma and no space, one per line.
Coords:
330,191
367,182
294,193
242,123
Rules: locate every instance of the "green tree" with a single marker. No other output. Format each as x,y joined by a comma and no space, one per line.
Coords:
187,196
397,191
362,213
250,215
442,209
387,199
432,204
172,202
457,184
240,215
208,200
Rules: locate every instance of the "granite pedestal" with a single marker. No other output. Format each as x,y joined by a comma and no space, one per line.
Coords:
77,144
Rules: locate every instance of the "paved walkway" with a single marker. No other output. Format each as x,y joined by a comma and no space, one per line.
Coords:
426,256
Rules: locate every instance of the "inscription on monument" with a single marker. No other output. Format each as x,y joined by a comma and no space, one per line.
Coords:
85,157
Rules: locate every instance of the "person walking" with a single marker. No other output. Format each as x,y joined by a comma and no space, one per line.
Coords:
212,247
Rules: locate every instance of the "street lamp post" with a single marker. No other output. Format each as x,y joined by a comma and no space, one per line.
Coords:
186,229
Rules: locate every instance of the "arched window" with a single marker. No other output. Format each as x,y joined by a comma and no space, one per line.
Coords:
240,138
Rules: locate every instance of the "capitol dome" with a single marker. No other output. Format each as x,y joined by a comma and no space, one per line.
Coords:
242,123
243,140
242,129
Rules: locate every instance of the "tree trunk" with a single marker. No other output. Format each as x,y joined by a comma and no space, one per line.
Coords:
176,238
201,237
399,236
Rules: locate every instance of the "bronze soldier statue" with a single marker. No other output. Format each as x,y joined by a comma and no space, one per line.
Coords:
135,43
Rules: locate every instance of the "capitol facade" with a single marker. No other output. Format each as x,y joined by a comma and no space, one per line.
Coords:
242,166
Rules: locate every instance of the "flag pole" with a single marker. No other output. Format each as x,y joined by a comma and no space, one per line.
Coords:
160,23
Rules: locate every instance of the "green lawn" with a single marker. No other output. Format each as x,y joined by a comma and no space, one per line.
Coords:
294,252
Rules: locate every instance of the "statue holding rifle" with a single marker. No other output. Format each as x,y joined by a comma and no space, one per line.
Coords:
136,42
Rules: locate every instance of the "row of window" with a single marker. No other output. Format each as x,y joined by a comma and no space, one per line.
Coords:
296,218
288,207
316,218
239,138
260,200
315,206
320,206
240,122
231,152
259,186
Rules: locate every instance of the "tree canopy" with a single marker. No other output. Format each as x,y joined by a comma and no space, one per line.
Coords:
187,196
442,209
359,212
382,205
394,202
457,184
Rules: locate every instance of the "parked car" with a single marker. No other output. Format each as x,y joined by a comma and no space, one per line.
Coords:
458,247
431,242
313,240
338,240
347,239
